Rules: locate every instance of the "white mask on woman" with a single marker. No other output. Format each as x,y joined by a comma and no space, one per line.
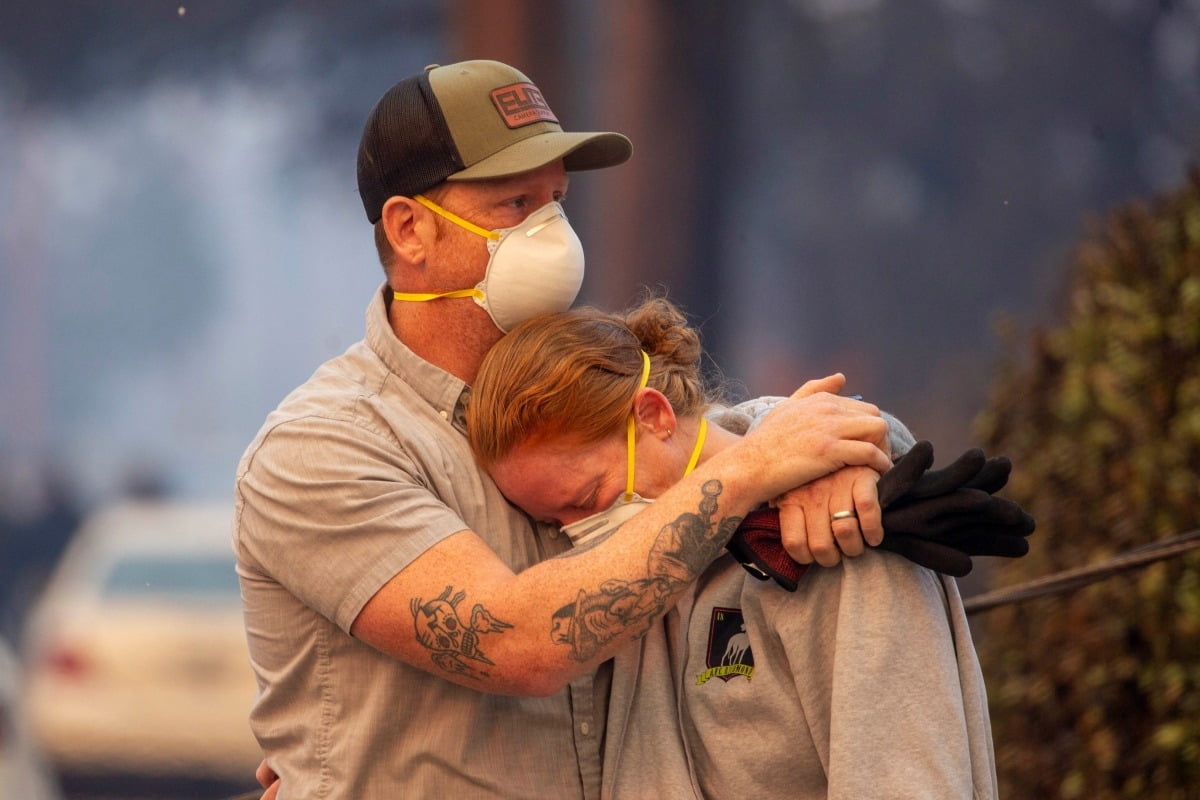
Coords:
602,523
534,268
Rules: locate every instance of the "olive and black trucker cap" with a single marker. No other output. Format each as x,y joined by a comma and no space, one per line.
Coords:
467,121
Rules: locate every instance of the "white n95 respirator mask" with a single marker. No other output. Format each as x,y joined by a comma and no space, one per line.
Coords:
533,268
599,525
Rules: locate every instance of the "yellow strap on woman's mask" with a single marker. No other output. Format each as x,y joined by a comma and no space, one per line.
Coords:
629,435
701,435
695,459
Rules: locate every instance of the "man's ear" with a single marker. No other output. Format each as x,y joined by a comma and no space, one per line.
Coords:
408,230
654,413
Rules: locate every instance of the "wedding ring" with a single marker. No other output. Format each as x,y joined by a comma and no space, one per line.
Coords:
843,515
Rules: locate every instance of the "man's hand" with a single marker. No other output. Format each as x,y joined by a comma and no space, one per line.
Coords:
806,517
811,434
939,519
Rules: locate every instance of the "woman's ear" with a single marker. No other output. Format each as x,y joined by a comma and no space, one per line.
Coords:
406,228
654,413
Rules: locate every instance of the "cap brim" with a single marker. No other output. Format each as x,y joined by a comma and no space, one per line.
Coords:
579,151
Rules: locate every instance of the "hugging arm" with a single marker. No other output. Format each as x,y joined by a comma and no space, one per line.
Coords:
806,514
459,612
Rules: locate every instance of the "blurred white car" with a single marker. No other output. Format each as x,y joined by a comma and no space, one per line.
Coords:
137,659
23,773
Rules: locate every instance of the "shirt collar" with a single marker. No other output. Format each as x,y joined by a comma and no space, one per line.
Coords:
441,390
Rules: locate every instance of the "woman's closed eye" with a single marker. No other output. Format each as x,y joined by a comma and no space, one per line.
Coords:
589,502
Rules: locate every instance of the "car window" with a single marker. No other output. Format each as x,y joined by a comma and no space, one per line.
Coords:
198,578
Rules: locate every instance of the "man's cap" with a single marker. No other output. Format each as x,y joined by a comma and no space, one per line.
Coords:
468,121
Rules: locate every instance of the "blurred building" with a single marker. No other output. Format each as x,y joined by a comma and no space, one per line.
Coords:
858,186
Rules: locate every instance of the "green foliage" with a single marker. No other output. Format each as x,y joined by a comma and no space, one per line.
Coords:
1096,694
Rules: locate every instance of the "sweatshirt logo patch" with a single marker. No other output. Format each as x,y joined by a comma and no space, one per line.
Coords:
522,104
729,652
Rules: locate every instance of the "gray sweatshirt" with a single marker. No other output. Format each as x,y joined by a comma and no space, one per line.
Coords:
863,683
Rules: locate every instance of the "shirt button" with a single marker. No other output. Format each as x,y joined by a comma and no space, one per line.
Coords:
553,533
584,728
444,414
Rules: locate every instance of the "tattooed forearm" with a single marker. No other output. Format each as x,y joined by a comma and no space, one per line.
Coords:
681,551
453,640
685,547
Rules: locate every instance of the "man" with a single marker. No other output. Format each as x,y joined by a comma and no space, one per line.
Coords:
397,611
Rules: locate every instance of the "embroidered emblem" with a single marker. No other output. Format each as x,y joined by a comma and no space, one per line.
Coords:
729,653
522,104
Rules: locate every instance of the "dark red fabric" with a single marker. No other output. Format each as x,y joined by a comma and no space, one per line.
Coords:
759,533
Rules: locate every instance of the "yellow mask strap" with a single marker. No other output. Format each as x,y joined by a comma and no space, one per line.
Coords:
699,446
629,431
418,297
455,218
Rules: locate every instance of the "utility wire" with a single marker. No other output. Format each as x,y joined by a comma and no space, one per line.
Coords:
1068,580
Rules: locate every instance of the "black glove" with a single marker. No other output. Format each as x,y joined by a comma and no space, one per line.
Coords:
936,518
941,518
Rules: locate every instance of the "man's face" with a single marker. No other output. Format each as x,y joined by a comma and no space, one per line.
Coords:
461,256
559,480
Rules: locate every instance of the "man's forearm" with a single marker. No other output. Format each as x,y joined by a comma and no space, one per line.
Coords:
533,632
590,603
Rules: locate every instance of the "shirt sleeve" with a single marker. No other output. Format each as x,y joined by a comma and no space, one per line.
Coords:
332,512
900,438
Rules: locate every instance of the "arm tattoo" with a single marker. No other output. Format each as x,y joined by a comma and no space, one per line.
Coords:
681,551
452,640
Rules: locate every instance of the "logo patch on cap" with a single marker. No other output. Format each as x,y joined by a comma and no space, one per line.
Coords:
522,104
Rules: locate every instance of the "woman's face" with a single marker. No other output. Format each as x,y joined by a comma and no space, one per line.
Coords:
560,481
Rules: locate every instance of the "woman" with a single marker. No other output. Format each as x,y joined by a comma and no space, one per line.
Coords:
862,683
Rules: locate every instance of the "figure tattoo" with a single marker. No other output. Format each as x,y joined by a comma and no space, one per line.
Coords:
452,641
681,551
